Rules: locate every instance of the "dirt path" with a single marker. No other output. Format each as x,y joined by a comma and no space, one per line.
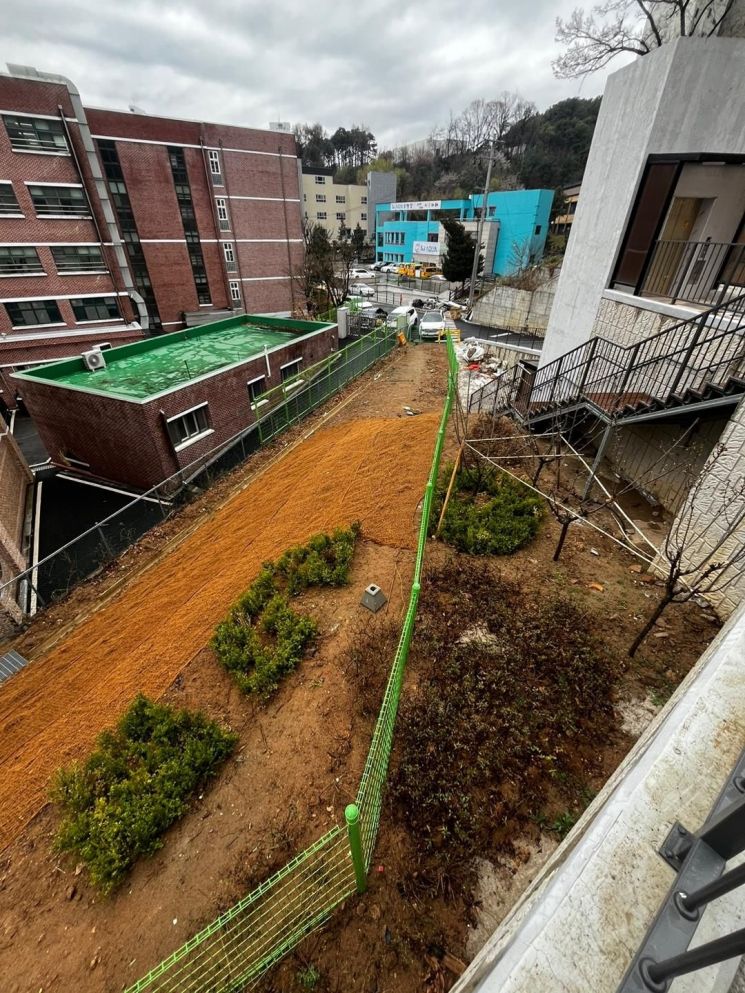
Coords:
371,470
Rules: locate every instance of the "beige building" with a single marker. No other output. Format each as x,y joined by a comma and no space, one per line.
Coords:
15,480
332,204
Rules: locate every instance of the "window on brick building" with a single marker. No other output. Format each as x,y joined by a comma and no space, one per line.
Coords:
58,201
36,134
8,201
125,215
71,259
321,180
341,199
321,215
30,313
222,213
183,429
320,198
215,168
256,387
229,250
235,291
181,184
289,370
363,217
95,309
363,200
18,260
341,216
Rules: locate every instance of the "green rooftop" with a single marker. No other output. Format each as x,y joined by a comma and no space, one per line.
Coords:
147,368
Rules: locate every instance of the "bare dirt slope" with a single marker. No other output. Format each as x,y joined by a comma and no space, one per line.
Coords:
372,470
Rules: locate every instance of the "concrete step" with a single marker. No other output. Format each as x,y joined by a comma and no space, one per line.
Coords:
10,664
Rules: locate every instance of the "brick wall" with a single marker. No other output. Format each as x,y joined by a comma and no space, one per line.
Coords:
15,479
260,226
252,167
128,443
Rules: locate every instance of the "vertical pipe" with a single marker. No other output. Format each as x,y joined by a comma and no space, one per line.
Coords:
352,817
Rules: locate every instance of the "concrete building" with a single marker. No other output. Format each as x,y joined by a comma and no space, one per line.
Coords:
515,231
15,489
658,232
116,225
646,338
646,331
158,405
332,205
381,188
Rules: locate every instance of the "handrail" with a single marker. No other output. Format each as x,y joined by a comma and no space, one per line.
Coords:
663,365
699,860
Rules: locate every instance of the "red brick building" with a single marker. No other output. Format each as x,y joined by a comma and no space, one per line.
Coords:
114,226
163,403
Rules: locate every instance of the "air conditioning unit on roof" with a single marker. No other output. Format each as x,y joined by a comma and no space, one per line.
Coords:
94,360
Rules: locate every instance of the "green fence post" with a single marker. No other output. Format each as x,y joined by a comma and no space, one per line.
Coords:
352,817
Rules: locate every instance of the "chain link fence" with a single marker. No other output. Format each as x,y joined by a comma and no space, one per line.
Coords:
54,576
233,952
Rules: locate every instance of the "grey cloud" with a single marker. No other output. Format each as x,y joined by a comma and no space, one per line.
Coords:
400,69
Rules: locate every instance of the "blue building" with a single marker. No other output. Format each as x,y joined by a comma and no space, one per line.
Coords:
516,226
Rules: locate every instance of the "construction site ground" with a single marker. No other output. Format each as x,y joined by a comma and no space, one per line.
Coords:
145,628
299,757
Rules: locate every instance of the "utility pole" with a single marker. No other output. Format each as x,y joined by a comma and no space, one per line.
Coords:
479,231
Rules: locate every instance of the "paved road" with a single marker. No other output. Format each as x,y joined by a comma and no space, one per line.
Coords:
525,340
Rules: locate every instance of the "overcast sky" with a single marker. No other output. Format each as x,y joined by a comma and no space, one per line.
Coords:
398,67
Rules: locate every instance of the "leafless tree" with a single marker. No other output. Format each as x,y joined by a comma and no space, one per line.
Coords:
569,506
326,266
704,550
481,124
637,27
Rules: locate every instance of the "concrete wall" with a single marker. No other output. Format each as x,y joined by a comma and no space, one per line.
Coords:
381,188
516,310
654,457
712,507
682,98
15,479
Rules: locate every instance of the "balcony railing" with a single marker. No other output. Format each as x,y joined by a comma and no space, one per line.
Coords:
60,209
694,271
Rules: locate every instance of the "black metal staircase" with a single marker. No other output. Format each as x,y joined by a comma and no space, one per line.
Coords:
697,362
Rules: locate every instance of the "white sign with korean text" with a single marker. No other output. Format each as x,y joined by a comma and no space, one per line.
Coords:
416,205
426,248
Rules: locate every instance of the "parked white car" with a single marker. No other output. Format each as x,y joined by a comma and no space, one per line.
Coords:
390,267
361,289
431,325
358,303
408,312
361,274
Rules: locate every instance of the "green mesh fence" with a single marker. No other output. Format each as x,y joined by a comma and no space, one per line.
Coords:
233,952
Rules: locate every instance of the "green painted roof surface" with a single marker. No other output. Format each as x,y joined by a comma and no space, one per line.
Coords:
143,374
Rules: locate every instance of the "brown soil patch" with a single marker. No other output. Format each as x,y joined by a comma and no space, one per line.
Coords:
298,764
411,928
370,470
